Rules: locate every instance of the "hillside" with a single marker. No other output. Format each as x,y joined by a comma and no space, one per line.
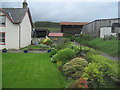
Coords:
52,26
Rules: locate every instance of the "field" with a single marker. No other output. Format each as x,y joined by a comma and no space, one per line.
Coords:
31,70
51,29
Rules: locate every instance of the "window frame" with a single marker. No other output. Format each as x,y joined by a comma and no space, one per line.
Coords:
4,39
5,21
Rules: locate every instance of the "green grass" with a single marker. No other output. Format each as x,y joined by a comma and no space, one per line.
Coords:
30,70
51,29
109,46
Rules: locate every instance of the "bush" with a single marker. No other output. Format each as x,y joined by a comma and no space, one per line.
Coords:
65,40
43,46
94,75
64,55
40,42
59,46
80,83
82,38
54,58
73,47
108,66
75,68
53,52
48,42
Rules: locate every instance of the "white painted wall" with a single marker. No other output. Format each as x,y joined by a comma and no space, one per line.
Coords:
11,35
105,31
26,30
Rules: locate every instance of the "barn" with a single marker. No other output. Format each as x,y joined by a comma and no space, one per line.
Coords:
41,33
101,27
72,27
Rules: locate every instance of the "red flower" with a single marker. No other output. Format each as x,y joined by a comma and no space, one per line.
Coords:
80,86
86,86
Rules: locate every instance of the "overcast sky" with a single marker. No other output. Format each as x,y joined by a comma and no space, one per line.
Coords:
68,11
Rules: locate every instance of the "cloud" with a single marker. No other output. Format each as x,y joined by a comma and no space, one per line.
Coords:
69,11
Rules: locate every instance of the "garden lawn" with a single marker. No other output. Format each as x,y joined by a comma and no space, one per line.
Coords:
30,70
109,46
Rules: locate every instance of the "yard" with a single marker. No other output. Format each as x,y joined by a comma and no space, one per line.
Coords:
31,70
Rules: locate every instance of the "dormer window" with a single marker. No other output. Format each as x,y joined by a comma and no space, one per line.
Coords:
2,20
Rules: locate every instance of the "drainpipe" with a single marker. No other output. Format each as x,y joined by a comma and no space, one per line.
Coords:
19,35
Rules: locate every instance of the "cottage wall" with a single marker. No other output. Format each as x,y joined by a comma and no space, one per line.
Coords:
11,35
26,30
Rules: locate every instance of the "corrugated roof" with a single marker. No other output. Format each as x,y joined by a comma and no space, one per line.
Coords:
74,23
56,34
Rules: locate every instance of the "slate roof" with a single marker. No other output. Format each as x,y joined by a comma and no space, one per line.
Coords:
74,23
56,34
16,14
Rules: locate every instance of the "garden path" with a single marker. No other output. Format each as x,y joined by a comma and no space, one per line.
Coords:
102,53
21,51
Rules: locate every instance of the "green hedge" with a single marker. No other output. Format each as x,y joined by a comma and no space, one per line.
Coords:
63,55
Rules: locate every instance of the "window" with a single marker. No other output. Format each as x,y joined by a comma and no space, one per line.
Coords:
2,20
2,38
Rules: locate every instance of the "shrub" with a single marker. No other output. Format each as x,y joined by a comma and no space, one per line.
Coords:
67,43
80,83
53,52
64,55
4,49
93,75
59,46
40,42
54,58
108,66
73,47
65,40
72,38
43,46
82,38
48,42
75,68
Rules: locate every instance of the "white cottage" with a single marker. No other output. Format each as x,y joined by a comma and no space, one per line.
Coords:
15,27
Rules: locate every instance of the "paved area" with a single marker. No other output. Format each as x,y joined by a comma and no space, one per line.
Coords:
20,51
102,53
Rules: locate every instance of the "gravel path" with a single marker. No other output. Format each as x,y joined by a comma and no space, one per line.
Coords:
102,53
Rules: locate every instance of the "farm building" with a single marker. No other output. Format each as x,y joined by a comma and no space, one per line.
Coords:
15,27
56,37
72,27
41,33
102,27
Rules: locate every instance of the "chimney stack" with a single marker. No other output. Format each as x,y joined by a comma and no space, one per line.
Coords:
25,4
